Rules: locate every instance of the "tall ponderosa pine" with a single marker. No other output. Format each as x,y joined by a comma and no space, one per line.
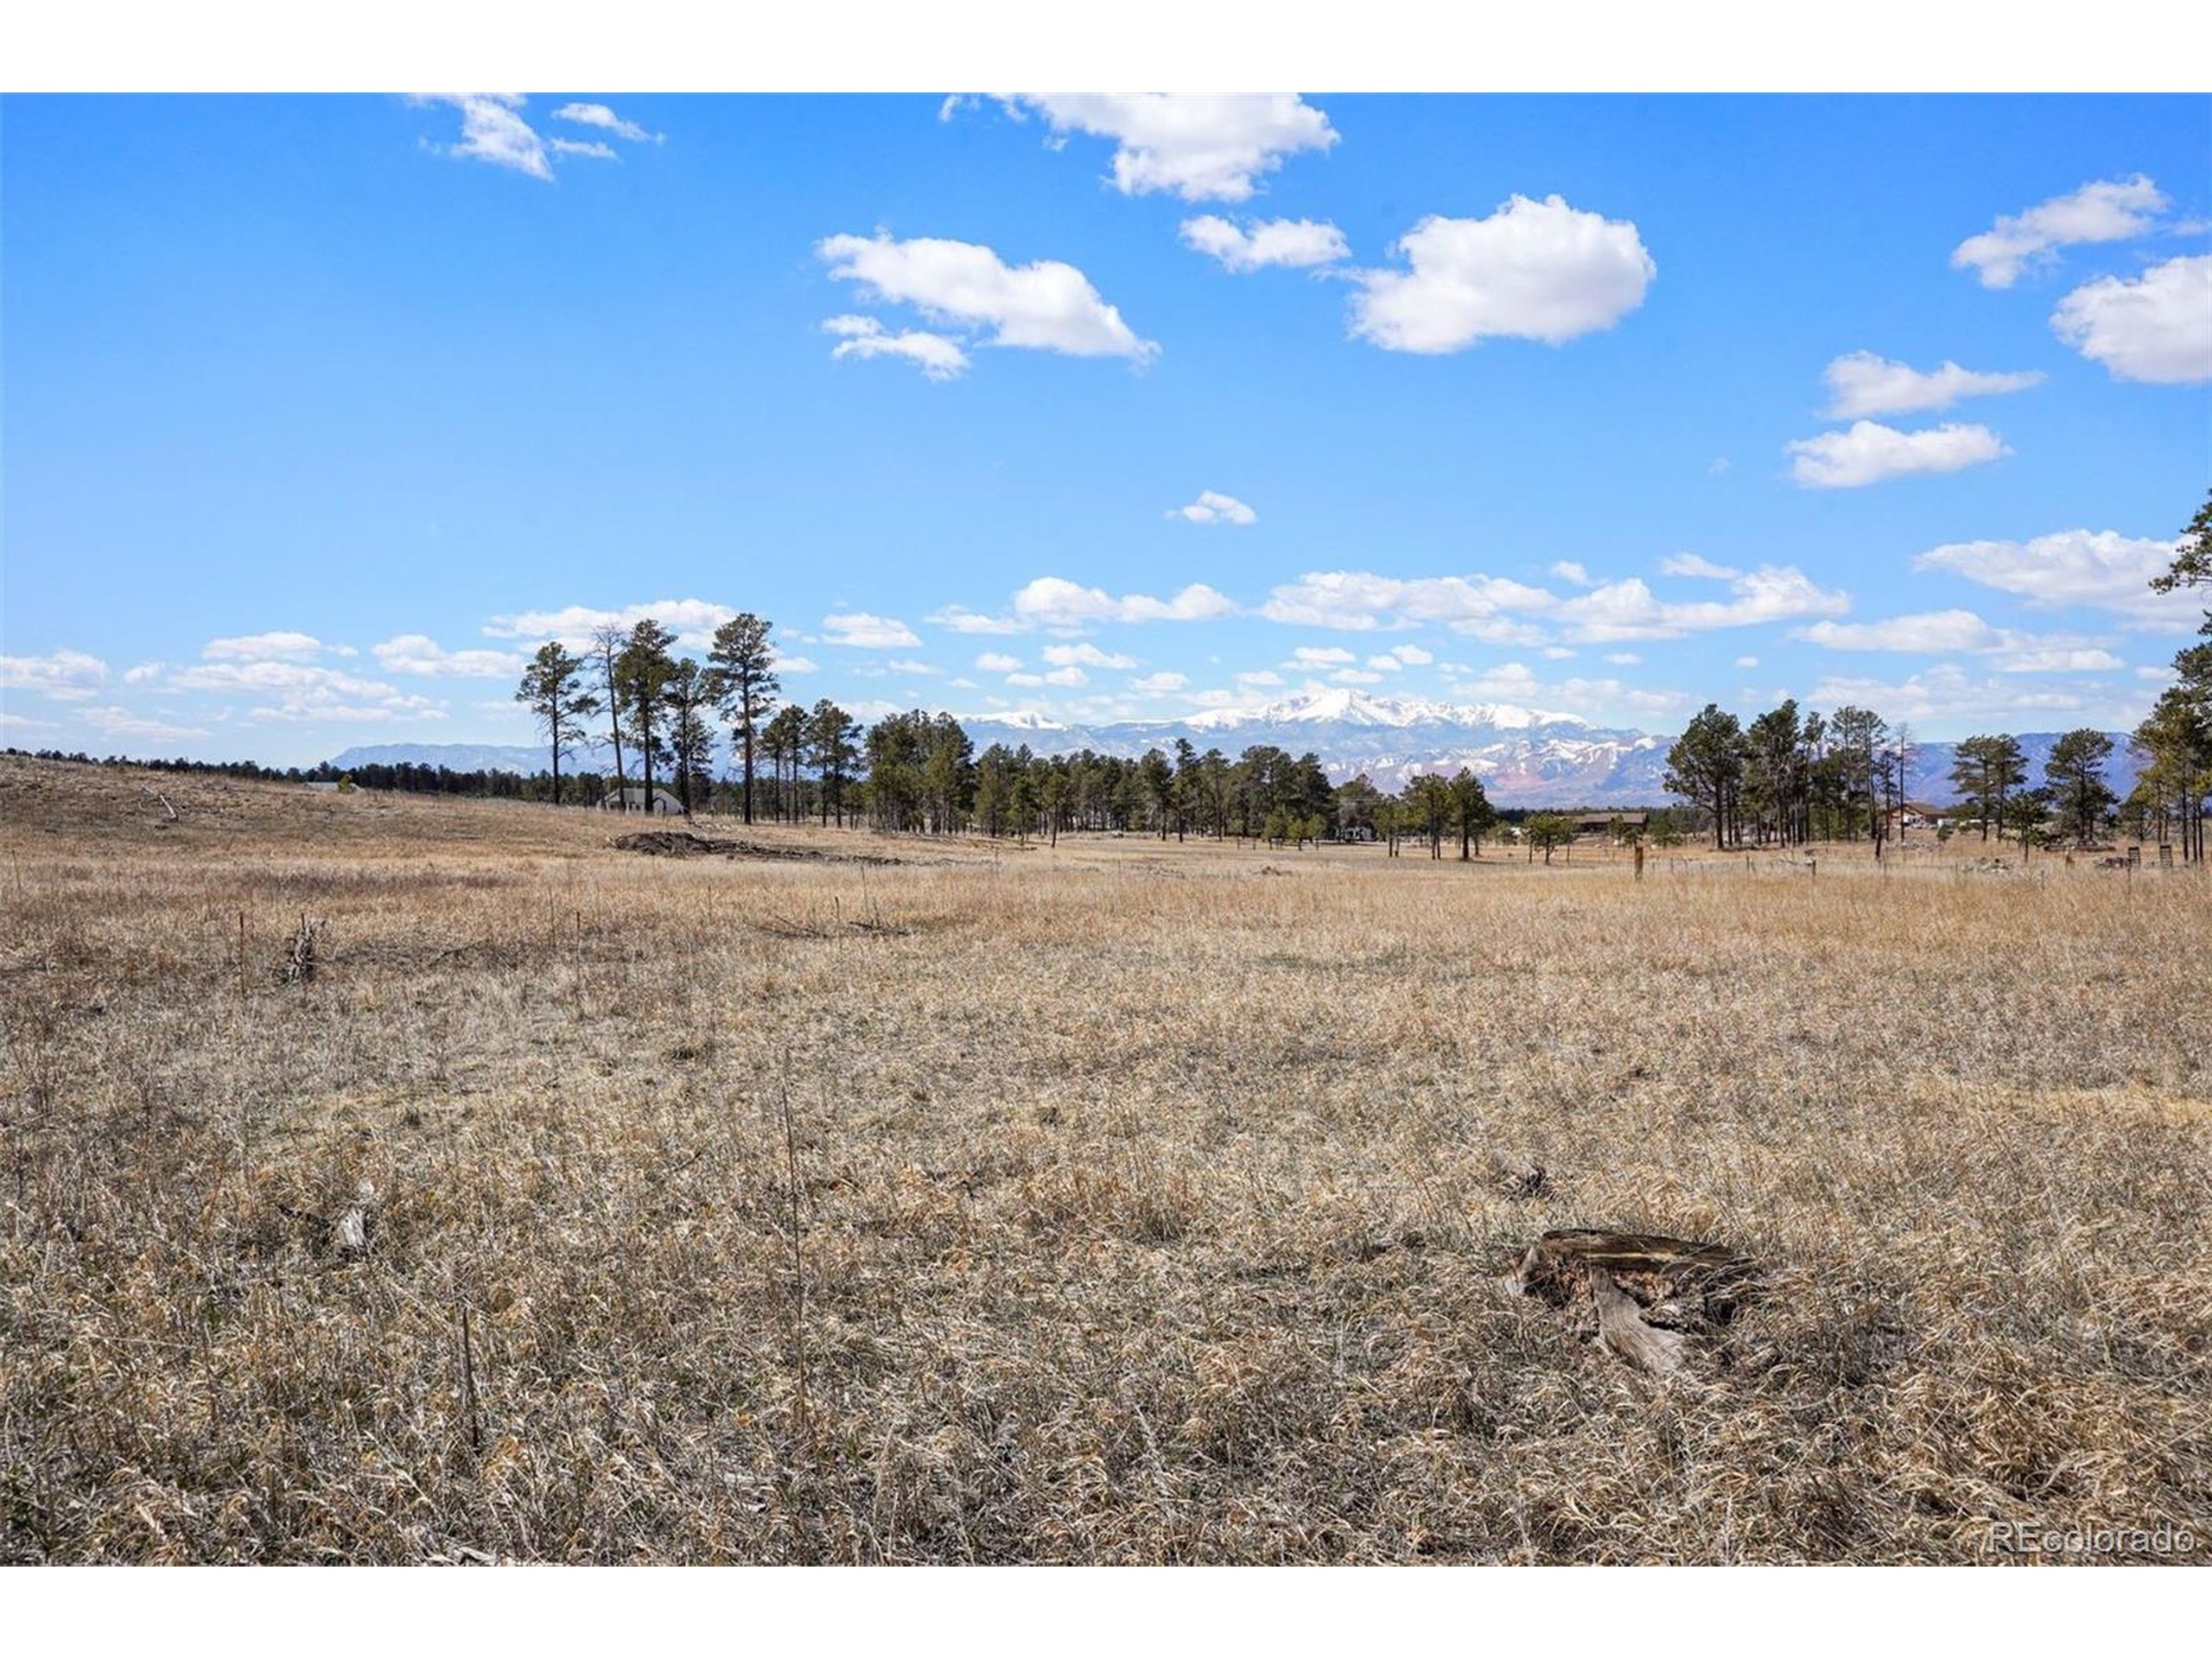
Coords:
2177,736
1899,755
686,697
553,689
1775,774
1159,779
832,745
1985,771
1428,797
607,642
1707,765
1471,811
745,678
1860,735
641,673
2175,743
2075,775
784,740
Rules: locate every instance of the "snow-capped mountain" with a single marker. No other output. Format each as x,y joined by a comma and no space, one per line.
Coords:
1525,757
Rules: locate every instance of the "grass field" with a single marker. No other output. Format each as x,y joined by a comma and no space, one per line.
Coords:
1146,1201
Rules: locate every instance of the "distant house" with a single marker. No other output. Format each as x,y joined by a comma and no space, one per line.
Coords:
1913,815
1611,824
631,797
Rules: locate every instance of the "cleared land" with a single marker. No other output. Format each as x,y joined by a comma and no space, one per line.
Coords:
1147,1195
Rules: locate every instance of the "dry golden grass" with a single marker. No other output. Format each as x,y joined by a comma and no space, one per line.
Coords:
1147,1201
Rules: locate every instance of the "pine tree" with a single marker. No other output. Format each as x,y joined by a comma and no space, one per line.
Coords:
2075,775
745,685
831,744
1471,811
1707,765
686,697
1548,831
784,740
552,687
607,642
640,673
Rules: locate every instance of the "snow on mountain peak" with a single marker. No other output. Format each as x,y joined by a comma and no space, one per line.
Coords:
1348,706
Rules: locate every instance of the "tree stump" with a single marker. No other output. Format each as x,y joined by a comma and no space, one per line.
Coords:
1648,1294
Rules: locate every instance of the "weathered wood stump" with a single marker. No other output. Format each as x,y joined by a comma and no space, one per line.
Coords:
1648,1294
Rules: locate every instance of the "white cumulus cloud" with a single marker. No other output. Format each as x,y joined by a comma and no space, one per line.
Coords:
1860,383
1298,243
1630,610
1692,564
122,723
66,674
1086,655
938,358
1212,507
1532,270
1045,305
1945,692
417,653
304,691
1930,631
1201,148
1358,601
2072,567
1500,611
1866,452
493,131
693,621
867,631
2157,328
2109,210
280,644
1056,602
598,115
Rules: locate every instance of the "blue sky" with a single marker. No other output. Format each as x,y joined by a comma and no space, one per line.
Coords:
320,412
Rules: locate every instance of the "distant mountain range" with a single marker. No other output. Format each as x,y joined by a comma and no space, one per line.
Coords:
1525,757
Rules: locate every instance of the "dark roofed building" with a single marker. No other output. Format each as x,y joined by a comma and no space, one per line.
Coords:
1610,824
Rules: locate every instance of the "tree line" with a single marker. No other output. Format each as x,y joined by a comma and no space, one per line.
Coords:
654,714
1789,777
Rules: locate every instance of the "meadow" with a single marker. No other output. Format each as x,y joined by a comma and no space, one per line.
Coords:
859,1199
